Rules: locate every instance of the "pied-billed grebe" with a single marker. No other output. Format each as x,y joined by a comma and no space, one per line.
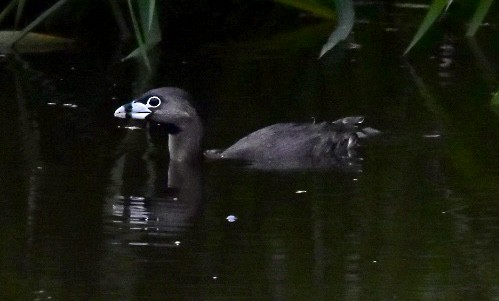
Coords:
279,145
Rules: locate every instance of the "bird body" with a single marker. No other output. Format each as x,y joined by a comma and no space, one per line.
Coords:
281,144
292,141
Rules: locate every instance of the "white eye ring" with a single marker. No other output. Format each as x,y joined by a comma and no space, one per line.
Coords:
153,98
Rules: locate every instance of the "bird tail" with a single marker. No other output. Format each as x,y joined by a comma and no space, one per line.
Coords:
350,120
213,154
355,122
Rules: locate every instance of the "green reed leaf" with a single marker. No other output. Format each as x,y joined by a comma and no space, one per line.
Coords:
34,42
346,19
477,19
149,22
436,8
7,9
46,14
152,8
142,50
20,8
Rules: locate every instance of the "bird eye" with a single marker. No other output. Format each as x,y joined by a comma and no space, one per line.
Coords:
153,102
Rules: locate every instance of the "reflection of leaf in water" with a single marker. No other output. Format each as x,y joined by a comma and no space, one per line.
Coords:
33,42
431,102
293,41
313,7
494,102
461,150
495,99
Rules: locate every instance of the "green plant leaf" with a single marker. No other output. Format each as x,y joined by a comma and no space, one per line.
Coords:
152,8
149,22
38,20
477,19
7,9
434,12
142,50
34,42
346,19
137,51
310,6
20,8
119,18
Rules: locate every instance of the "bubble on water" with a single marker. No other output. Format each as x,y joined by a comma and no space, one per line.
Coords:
231,218
70,105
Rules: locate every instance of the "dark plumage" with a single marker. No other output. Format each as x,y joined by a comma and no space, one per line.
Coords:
280,145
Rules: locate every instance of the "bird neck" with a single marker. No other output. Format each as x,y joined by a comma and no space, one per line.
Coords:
185,145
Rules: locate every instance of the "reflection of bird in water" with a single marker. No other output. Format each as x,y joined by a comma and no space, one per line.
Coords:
149,198
149,215
279,146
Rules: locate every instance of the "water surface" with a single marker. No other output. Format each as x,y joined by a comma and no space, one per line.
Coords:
87,213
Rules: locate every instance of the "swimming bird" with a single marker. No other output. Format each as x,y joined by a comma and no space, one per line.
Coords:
282,145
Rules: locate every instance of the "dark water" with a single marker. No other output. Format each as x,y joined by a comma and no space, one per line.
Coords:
87,213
